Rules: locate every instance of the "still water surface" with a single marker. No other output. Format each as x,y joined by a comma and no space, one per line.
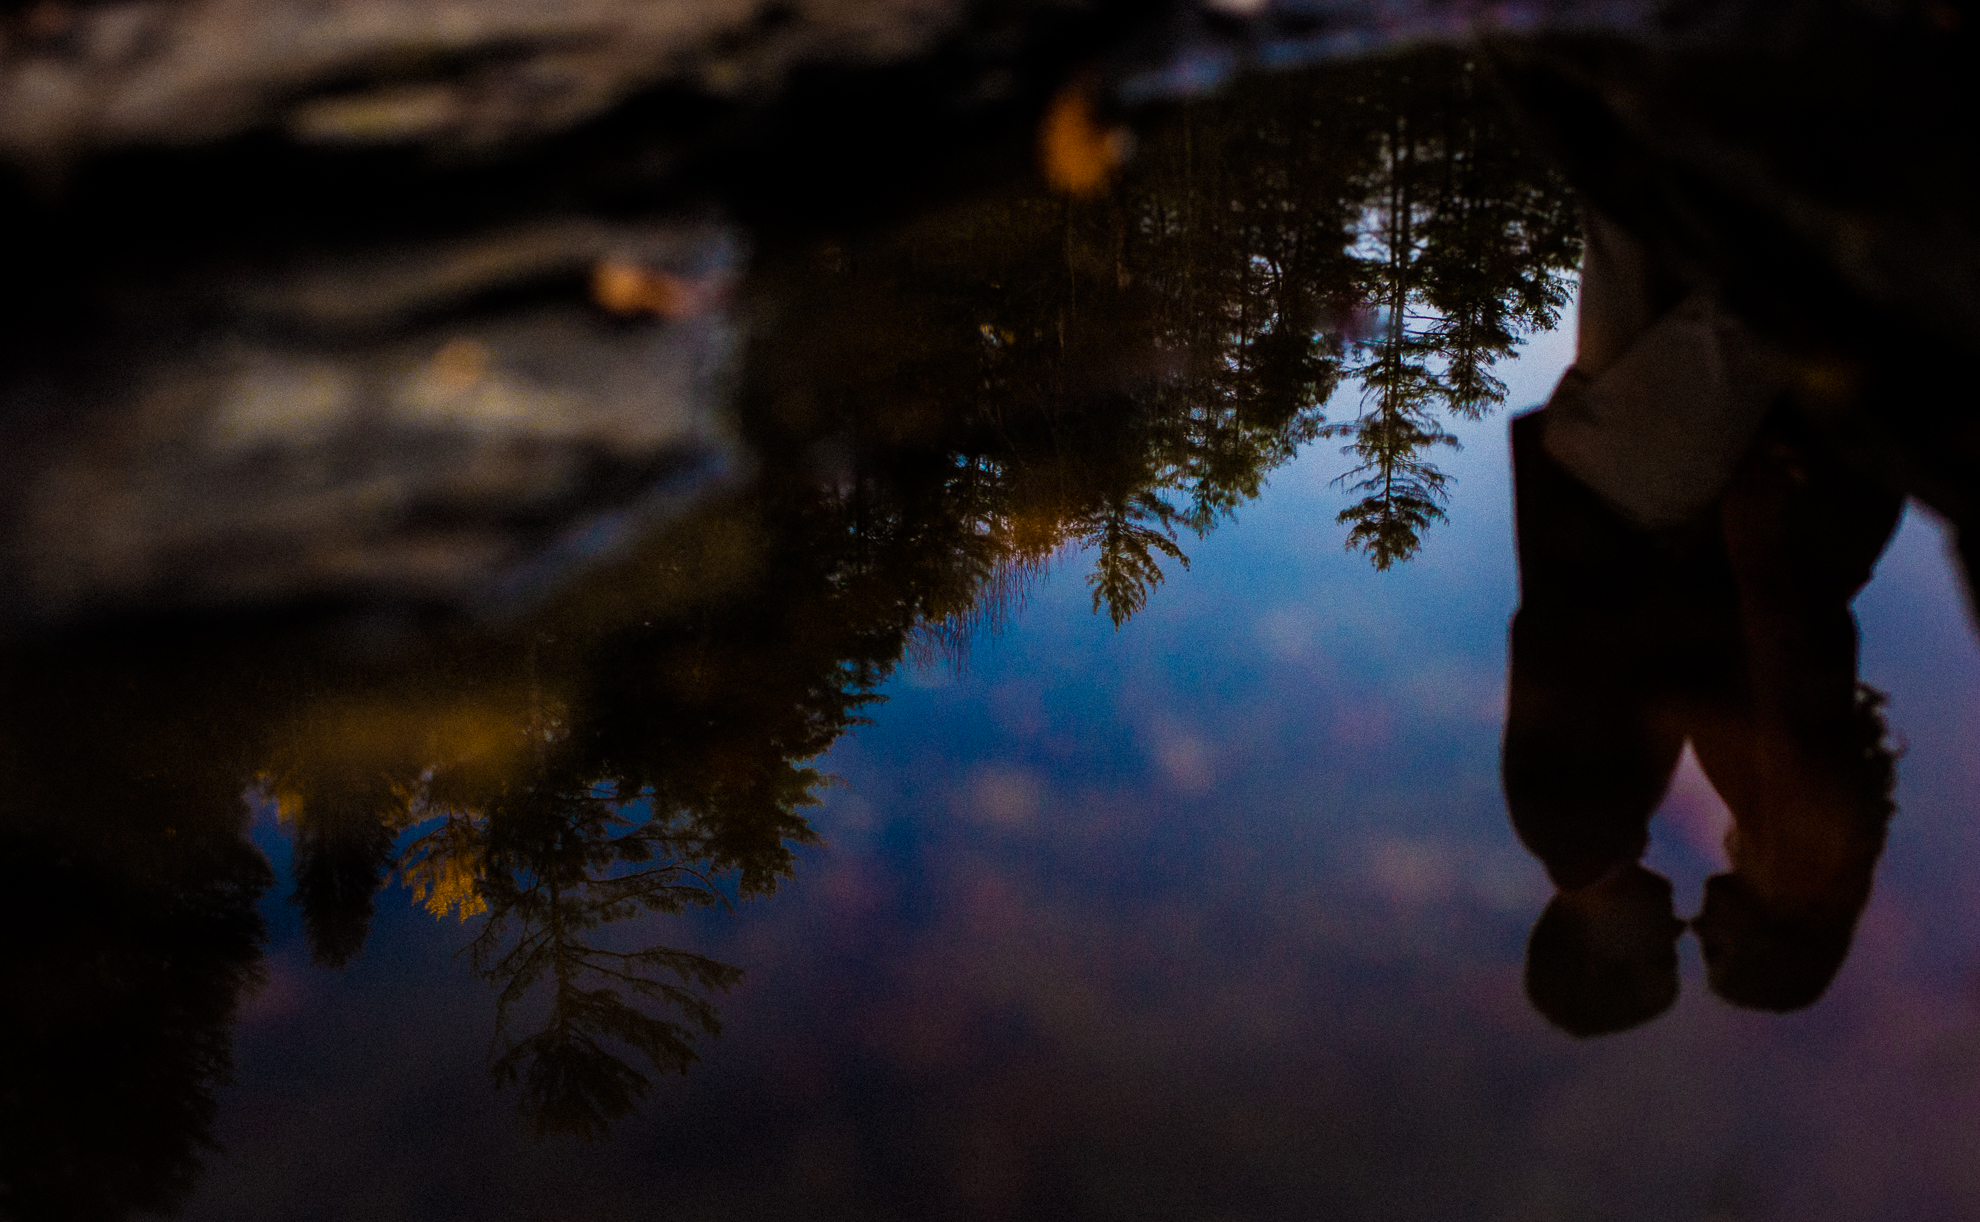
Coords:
1060,777
1216,915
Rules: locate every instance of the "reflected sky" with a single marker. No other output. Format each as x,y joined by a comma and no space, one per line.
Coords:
1215,914
1128,580
1078,889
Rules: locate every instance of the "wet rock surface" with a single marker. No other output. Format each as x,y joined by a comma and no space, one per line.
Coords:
415,306
79,78
341,431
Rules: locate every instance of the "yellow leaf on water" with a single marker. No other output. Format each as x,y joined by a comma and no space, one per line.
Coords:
628,289
1077,153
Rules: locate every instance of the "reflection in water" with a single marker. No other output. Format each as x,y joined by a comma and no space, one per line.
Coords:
1181,338
549,867
132,934
1463,245
936,410
1688,552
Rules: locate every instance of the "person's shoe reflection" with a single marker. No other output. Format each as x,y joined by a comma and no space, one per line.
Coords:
1603,956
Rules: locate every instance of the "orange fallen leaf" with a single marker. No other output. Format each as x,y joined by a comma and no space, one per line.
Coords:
628,289
1078,153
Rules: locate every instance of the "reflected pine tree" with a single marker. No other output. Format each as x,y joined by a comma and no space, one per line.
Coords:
344,834
1125,536
132,935
1466,244
675,781
1109,374
550,867
938,408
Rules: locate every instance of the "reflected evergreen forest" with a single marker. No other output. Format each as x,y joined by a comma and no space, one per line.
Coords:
935,411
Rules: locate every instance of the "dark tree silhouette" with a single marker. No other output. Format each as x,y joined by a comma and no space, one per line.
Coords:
132,933
344,833
1466,243
938,409
551,867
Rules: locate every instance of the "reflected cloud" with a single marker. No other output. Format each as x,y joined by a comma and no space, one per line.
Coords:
1430,872
1004,795
1188,763
1414,871
1366,726
1287,634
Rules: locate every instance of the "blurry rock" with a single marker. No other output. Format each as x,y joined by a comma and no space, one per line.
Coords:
370,430
361,305
83,78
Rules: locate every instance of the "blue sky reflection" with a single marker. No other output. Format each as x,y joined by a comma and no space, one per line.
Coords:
1216,915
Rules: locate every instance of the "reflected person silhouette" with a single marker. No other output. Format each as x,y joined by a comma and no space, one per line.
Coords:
1805,771
1688,551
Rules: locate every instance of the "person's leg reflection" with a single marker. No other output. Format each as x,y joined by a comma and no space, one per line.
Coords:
1591,742
1803,768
